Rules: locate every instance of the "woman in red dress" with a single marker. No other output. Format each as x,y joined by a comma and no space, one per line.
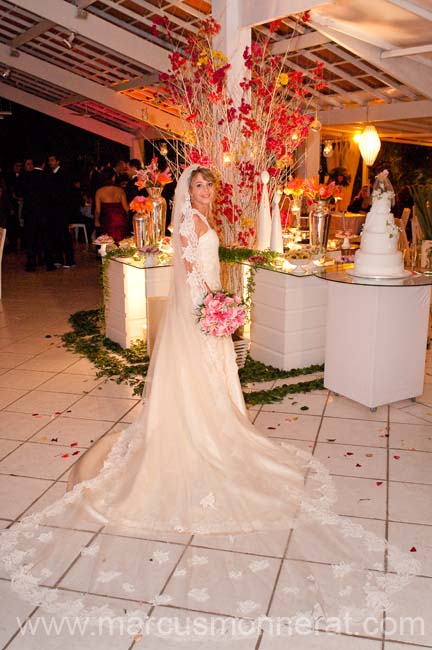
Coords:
111,211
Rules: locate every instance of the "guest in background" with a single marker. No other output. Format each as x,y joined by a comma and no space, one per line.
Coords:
133,167
13,224
34,192
60,213
119,167
29,164
362,202
6,209
111,212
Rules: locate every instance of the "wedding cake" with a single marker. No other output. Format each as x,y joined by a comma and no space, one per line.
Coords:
378,255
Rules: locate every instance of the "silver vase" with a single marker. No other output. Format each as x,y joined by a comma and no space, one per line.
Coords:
319,224
140,222
157,219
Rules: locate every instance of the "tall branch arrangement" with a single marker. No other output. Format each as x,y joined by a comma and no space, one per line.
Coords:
257,126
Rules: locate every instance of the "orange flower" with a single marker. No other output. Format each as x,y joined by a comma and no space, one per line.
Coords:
141,204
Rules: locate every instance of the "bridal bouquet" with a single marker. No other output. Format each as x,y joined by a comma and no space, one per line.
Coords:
221,314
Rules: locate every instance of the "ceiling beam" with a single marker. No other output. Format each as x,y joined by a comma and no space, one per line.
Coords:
413,74
407,51
100,31
138,82
35,31
377,113
254,13
91,90
71,99
59,113
413,8
311,39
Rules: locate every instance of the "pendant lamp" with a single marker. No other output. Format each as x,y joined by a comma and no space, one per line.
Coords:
369,144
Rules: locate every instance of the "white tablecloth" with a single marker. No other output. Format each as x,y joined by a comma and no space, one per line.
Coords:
348,221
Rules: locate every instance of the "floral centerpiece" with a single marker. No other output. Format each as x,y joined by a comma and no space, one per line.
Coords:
141,204
239,127
221,314
315,191
295,187
151,176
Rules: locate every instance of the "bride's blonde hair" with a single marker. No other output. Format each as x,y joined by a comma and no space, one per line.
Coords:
205,172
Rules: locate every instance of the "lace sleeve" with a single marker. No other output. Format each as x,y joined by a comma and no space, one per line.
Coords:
189,247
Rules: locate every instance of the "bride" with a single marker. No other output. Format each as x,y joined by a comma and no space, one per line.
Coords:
190,510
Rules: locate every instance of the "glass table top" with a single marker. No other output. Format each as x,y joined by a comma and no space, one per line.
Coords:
342,274
332,272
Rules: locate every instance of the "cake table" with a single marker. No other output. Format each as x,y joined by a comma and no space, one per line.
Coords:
376,337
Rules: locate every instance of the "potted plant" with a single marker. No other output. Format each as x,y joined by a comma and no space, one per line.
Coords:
422,197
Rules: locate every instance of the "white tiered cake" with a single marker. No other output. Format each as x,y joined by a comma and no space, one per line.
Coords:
378,255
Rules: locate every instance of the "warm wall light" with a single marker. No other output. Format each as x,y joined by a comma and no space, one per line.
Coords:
357,137
164,149
369,144
328,149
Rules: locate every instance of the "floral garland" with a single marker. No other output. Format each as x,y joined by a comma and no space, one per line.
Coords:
130,365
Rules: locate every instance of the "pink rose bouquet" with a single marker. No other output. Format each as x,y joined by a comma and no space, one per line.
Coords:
221,313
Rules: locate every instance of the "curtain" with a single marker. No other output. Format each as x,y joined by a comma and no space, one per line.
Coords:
346,154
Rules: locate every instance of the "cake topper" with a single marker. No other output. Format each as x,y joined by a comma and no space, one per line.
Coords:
383,186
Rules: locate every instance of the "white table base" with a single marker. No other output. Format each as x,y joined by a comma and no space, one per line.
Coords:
288,320
129,289
376,342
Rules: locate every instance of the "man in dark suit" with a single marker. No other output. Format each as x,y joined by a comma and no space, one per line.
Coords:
13,225
59,213
34,192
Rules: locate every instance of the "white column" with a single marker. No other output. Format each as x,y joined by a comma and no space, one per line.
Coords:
231,40
308,156
136,148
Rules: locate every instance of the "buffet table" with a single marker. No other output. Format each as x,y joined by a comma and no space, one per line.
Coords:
288,320
376,337
134,301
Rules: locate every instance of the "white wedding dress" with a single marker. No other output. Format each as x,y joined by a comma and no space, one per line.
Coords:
149,510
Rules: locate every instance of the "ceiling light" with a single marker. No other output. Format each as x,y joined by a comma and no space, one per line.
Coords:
369,144
6,73
164,149
69,40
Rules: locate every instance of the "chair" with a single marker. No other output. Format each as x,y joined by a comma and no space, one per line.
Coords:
417,233
76,227
2,243
402,224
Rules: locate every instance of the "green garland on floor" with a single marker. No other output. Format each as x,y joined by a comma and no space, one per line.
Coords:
131,365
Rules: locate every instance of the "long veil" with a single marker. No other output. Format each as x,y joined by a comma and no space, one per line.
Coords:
191,513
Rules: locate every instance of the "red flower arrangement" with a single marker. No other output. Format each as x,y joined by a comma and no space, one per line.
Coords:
241,129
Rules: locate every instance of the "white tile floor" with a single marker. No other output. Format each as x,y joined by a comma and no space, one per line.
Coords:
51,404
